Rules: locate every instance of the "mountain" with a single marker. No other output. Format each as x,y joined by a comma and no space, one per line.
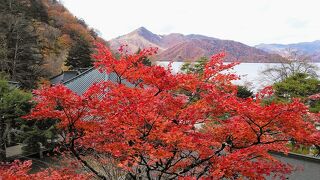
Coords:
179,47
312,49
139,38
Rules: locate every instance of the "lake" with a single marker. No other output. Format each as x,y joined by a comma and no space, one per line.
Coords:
250,73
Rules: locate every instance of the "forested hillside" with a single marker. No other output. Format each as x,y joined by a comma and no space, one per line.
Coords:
39,38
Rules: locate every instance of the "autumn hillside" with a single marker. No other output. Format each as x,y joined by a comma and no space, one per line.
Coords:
38,38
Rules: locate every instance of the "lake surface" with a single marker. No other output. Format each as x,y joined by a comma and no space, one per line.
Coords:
250,73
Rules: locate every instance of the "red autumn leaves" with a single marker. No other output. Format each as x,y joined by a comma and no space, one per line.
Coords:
168,125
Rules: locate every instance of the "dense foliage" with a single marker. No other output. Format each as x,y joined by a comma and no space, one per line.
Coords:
299,85
167,126
37,37
244,92
80,54
20,171
14,103
304,86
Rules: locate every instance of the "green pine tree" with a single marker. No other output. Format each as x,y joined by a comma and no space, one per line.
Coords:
196,67
14,103
80,54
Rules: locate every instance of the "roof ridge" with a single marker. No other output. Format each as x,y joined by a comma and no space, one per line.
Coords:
79,75
56,75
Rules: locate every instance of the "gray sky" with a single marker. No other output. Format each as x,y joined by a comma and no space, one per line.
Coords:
248,21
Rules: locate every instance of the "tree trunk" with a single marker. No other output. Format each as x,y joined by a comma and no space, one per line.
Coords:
2,140
15,58
10,4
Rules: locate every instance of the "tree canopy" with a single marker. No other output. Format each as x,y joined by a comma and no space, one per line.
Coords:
14,103
154,129
297,86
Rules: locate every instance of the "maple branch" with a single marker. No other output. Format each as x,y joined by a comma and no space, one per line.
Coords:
204,171
275,141
167,165
273,119
75,135
147,166
85,163
159,91
119,79
188,168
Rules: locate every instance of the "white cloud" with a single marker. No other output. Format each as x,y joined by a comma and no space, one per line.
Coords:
248,21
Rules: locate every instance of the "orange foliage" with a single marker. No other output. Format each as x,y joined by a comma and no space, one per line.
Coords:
68,22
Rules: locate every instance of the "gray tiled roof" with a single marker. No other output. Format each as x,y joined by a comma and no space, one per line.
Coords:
63,77
85,80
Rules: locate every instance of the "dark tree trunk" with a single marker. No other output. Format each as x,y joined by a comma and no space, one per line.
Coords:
2,141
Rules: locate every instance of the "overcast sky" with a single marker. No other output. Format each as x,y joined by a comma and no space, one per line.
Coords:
248,21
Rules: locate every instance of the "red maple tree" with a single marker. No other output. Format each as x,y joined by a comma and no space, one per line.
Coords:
157,125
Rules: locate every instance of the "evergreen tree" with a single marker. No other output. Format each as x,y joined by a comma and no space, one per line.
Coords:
299,85
35,133
14,103
80,54
244,92
197,67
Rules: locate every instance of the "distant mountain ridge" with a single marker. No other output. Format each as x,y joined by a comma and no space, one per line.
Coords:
179,47
312,49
